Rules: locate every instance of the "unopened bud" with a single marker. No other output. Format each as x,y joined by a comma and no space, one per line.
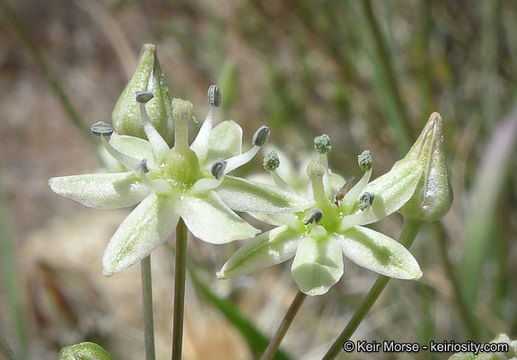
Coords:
85,350
433,194
147,78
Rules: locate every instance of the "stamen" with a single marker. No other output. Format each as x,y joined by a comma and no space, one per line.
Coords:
259,139
159,145
200,143
314,217
214,95
203,185
261,136
217,169
159,186
105,130
271,162
365,161
365,200
322,146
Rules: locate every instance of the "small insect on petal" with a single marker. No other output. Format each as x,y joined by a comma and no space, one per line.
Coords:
261,136
214,95
100,128
343,191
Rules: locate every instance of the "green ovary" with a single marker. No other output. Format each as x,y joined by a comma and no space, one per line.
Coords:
182,167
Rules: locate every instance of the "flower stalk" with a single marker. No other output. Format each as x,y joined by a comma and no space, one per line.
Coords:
180,272
147,301
408,235
273,345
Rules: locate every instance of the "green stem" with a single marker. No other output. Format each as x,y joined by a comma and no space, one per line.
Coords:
147,300
180,268
10,275
284,326
409,232
52,80
5,349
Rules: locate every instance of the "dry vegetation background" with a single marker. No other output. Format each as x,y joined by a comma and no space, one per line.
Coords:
366,73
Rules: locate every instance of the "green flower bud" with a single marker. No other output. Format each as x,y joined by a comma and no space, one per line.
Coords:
148,77
271,161
433,194
84,351
322,144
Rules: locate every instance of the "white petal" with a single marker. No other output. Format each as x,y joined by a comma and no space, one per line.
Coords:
134,147
101,191
210,220
225,141
250,196
267,249
380,253
318,264
147,227
391,191
200,143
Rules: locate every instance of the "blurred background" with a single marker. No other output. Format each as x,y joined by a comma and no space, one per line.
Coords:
368,73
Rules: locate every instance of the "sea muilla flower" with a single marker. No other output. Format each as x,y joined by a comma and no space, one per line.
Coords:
169,183
318,238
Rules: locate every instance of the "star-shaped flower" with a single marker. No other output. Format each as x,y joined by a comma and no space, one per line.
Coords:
317,239
186,182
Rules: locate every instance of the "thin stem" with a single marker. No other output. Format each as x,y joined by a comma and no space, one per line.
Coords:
180,273
147,300
51,78
409,232
10,273
284,326
5,349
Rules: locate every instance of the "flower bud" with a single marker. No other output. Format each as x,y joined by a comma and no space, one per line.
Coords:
148,77
433,194
85,350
